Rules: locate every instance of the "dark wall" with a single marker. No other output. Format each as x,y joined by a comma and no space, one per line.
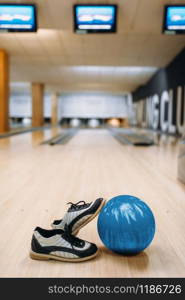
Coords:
168,78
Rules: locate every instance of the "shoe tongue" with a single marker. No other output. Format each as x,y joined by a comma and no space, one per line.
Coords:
73,240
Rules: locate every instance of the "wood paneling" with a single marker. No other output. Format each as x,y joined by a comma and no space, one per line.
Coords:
4,92
37,104
54,109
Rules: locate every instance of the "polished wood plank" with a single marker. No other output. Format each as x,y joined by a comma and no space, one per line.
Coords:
37,181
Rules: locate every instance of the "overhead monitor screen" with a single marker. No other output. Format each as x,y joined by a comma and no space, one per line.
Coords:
174,19
95,18
18,18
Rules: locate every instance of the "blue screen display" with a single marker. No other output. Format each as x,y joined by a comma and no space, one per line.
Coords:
17,17
95,17
175,18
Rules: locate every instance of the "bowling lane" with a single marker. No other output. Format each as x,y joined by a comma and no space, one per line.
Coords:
28,139
37,182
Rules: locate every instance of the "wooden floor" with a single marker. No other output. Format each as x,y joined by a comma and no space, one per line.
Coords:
37,181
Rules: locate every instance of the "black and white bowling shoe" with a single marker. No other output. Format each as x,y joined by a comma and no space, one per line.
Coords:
79,214
60,245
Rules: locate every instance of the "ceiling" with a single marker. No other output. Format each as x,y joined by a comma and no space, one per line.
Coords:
65,61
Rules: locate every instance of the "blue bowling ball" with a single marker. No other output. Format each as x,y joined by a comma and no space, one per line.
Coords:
126,225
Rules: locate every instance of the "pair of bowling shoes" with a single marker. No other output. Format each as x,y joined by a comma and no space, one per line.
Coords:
60,243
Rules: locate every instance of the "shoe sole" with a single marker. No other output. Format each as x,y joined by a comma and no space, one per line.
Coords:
75,232
40,256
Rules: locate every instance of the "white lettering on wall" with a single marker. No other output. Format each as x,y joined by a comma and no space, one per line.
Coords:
180,125
149,112
163,120
155,111
172,127
158,112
